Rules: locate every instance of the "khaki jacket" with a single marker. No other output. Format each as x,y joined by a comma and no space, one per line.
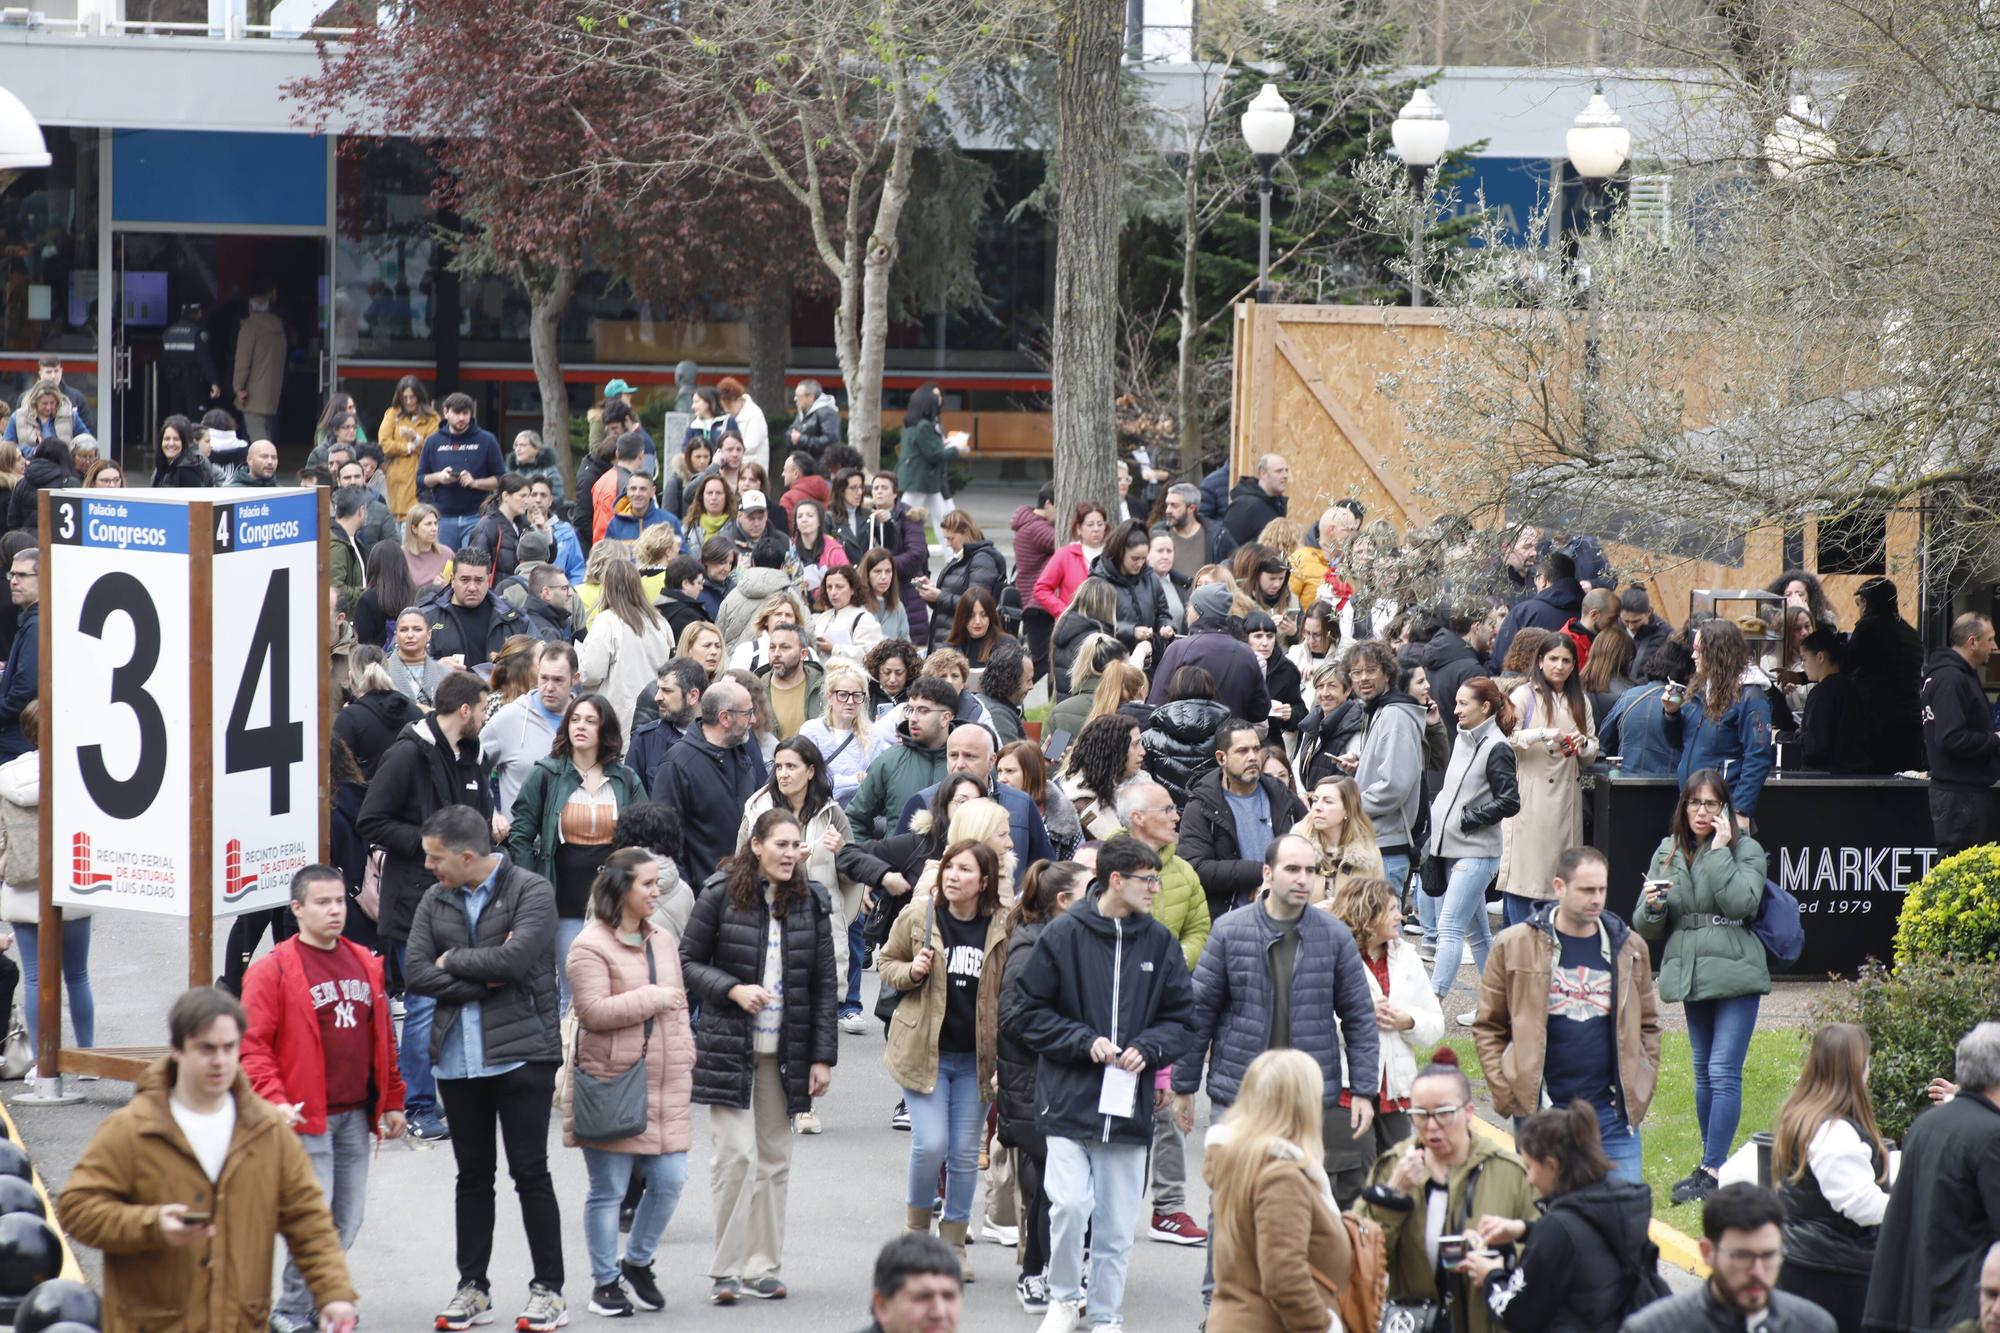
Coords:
1511,1027
1285,1227
1502,1190
912,1054
139,1159
612,999
402,440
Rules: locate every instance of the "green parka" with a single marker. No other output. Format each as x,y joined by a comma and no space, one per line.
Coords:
1181,906
923,462
1502,1190
537,815
1711,952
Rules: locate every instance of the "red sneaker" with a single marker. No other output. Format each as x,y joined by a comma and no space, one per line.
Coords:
1176,1229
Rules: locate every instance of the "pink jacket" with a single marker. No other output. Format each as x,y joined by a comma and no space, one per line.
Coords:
608,986
1061,577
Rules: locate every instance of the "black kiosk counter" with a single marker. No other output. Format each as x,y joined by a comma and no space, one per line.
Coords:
1849,848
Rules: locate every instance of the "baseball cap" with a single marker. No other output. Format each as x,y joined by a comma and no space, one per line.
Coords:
753,500
616,387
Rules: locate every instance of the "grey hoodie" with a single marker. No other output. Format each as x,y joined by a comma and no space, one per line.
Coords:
1391,772
753,588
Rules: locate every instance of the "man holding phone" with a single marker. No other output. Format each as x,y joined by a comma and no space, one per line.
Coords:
145,1191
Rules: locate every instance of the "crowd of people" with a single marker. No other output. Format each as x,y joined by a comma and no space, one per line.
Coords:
635,778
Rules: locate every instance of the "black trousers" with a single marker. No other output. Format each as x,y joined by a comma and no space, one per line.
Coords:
511,1108
1959,817
1038,627
246,932
1031,1157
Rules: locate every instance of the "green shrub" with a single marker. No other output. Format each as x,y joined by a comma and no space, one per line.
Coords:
1914,1017
1953,911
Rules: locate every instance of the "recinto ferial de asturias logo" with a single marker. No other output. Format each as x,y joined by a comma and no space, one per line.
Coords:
82,878
234,882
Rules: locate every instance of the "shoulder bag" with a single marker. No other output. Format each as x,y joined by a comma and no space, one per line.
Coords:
886,1002
605,1109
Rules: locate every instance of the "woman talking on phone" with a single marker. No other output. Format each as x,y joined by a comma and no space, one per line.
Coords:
1702,891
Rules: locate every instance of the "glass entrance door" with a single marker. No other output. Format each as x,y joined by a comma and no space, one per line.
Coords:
179,302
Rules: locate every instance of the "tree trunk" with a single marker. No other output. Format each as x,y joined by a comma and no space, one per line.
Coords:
547,299
1090,37
1187,407
769,318
864,391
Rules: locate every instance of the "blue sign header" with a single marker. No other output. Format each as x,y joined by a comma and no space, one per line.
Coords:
119,524
257,525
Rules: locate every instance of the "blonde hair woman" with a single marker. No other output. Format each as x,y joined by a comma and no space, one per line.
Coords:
610,551
1121,684
627,646
703,642
1407,1017
975,819
842,730
1341,833
1280,1247
428,558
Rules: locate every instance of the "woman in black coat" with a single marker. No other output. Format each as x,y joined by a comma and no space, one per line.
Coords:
1142,605
50,469
756,1081
974,564
1331,729
1094,610
1047,891
1180,736
1281,674
1584,1264
376,716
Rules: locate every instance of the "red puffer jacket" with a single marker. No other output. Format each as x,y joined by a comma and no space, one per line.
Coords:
282,1054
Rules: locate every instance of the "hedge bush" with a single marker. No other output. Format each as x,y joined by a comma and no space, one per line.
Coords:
1954,911
1914,1017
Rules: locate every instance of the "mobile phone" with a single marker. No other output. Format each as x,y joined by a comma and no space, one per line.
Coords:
1675,692
195,1219
1659,886
1451,1251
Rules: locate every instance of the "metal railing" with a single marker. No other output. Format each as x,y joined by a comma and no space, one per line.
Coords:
227,20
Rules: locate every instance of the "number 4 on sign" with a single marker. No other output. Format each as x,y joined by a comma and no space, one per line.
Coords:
222,517
280,742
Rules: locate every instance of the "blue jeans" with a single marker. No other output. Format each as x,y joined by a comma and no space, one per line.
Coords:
1396,869
1719,1040
1461,918
567,929
1519,909
452,529
76,978
413,1053
944,1131
1621,1144
1095,1189
665,1175
339,1158
855,949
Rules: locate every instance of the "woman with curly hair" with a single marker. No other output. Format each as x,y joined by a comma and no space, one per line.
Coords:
1106,753
892,664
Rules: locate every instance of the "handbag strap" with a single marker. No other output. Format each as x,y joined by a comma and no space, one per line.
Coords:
652,977
840,749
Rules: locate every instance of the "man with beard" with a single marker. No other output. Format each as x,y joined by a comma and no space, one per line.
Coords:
1744,1248
677,696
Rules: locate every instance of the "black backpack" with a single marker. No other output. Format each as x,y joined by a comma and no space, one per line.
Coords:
1640,1272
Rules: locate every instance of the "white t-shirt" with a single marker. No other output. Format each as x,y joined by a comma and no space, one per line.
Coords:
1437,1204
767,1025
208,1134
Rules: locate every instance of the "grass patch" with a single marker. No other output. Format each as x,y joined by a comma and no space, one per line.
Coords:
1039,713
1670,1136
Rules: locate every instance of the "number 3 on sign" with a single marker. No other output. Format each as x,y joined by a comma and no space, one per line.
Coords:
280,742
119,593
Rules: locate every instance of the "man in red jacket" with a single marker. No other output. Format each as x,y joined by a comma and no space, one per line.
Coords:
319,1048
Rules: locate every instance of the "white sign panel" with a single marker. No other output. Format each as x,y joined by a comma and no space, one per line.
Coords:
119,646
266,676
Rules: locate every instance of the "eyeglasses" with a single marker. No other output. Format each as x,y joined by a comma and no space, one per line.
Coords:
1712,807
846,696
14,574
1156,810
1153,880
1444,1115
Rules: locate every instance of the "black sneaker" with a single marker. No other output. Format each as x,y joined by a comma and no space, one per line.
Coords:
626,1212
645,1292
900,1117
1700,1183
609,1300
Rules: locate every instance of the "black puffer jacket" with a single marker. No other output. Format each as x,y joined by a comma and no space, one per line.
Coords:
1180,744
508,971
418,777
724,947
371,724
24,512
1577,1265
1140,603
1017,1061
1322,736
977,565
1070,632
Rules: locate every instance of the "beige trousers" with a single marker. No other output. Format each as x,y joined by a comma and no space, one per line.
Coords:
752,1167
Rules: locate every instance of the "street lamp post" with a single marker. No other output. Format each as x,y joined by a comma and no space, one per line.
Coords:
1267,127
1419,133
1598,144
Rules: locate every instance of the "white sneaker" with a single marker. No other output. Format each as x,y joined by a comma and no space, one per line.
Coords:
1000,1235
1465,1019
805,1122
1063,1317
854,1024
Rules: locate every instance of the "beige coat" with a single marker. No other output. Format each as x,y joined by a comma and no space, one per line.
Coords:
260,361
1551,817
139,1160
1284,1229
912,1054
613,999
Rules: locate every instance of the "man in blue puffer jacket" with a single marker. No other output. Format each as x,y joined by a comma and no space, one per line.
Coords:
1276,975
1107,987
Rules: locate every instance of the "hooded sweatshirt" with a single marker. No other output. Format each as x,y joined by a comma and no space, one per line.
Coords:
1391,772
1958,724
